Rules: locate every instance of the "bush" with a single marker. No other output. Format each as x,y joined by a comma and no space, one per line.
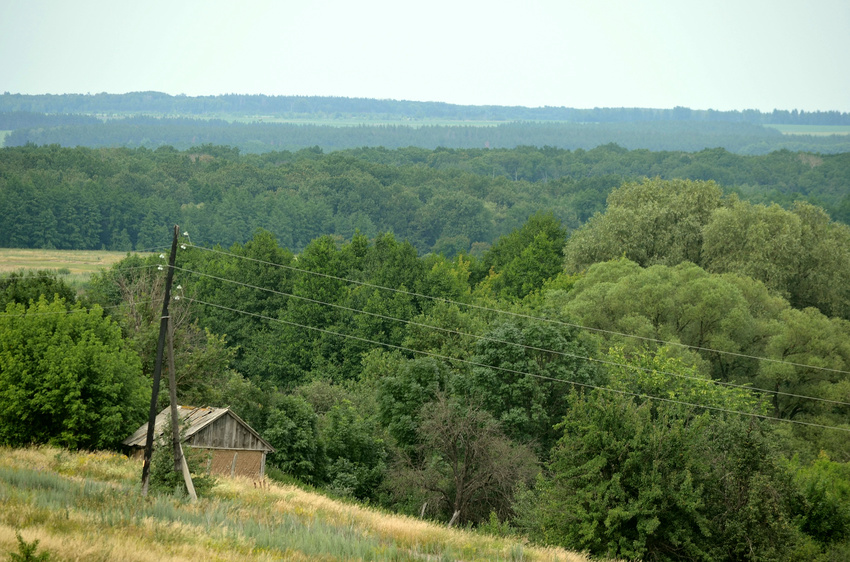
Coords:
26,551
165,480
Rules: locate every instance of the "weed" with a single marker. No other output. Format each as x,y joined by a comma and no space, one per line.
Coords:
26,551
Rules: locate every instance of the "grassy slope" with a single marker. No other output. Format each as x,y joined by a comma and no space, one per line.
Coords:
86,506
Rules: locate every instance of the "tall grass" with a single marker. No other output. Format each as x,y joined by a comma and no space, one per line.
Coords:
88,506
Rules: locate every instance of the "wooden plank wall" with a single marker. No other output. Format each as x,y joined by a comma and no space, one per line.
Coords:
237,463
226,433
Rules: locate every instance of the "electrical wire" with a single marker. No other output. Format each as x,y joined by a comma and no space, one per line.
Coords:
518,372
505,342
524,316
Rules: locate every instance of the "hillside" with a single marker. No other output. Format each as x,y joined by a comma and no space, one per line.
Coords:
87,505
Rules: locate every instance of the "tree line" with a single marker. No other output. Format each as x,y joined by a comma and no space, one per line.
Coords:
253,105
258,137
443,200
623,389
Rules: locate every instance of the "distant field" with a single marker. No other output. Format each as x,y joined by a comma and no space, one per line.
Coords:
78,263
354,122
327,121
819,130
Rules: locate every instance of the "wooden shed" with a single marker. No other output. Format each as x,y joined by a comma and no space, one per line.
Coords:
237,450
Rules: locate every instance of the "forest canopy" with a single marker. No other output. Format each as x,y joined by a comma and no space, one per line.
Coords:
443,200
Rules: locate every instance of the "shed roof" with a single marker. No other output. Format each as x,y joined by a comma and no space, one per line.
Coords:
194,420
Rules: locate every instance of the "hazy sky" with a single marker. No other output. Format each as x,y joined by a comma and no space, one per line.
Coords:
740,54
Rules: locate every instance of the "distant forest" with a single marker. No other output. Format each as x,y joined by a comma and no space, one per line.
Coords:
151,120
443,201
234,104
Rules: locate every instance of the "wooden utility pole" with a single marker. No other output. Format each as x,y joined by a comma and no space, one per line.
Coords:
157,370
179,460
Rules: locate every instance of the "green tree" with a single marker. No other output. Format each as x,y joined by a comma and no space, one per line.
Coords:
754,240
133,290
650,222
23,287
356,451
681,304
657,482
292,429
403,392
825,488
67,377
465,467
527,257
522,376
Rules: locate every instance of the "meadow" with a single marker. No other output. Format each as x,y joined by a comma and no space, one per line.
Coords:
87,506
74,266
816,130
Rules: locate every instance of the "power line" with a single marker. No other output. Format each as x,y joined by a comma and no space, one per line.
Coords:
524,316
514,371
516,344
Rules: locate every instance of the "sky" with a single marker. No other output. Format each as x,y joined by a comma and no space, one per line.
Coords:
717,54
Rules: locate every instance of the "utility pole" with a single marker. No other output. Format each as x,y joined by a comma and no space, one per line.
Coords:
179,459
157,370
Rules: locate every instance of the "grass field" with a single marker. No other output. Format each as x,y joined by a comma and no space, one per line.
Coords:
817,130
87,506
77,262
74,266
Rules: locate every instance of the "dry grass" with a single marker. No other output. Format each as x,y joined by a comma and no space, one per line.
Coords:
77,262
86,506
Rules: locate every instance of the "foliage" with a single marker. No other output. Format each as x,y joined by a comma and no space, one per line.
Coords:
728,320
650,222
440,200
164,479
527,257
825,489
402,396
661,374
133,291
660,483
67,377
291,428
523,372
26,286
27,551
356,451
465,467
798,253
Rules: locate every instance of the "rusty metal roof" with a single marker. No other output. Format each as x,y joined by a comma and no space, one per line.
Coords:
192,420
